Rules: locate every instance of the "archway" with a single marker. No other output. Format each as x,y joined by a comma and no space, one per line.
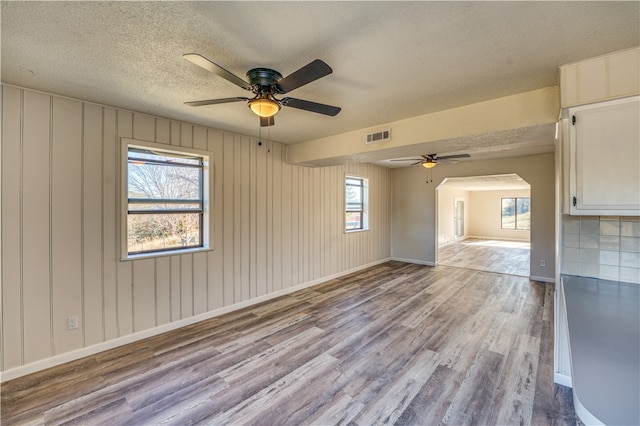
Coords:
483,223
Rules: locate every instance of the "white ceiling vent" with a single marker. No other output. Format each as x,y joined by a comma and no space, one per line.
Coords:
381,136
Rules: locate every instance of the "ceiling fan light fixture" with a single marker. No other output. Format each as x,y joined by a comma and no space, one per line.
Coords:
429,163
264,107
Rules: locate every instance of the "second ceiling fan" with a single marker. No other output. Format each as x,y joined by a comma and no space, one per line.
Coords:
430,160
265,84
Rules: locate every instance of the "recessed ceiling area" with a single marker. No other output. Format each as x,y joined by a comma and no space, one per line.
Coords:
486,183
391,60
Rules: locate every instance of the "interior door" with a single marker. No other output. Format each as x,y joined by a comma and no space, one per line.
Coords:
459,219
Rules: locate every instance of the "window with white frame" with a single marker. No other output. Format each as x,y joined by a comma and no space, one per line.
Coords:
356,203
165,199
515,213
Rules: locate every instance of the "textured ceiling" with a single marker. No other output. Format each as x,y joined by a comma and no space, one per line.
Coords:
391,60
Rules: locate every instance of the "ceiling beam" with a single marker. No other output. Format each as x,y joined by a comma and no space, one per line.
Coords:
523,110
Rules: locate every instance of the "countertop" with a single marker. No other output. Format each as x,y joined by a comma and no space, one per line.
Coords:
603,320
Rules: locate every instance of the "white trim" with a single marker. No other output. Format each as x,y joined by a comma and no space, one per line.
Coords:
207,194
583,414
562,379
417,262
542,279
43,364
520,240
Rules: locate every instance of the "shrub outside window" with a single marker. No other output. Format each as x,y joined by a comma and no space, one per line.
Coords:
516,213
166,200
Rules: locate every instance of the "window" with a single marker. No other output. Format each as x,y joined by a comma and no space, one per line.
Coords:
166,202
356,202
516,213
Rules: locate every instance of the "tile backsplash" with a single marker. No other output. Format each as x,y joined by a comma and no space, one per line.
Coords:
606,247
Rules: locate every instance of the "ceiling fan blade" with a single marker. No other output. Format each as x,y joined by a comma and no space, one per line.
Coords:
449,157
267,121
310,72
216,69
215,101
311,106
409,159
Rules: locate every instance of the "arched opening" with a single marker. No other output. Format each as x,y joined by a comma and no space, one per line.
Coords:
484,223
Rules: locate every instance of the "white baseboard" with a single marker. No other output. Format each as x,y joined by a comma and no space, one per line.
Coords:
543,279
417,262
519,240
563,379
56,360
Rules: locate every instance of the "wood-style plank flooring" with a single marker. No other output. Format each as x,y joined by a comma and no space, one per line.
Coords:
504,257
393,344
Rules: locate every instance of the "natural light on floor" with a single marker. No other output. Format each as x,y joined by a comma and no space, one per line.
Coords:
496,243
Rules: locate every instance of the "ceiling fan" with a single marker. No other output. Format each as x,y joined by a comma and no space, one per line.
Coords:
265,84
430,160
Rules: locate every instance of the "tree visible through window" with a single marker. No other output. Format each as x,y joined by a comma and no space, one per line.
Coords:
356,197
516,213
165,200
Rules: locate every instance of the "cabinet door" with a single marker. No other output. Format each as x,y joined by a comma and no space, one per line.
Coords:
605,154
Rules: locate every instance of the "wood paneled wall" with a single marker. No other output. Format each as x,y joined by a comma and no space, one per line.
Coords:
275,226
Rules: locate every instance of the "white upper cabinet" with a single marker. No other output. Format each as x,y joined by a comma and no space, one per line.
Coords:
604,163
611,76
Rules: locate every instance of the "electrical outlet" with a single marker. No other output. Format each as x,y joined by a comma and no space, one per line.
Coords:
72,323
543,263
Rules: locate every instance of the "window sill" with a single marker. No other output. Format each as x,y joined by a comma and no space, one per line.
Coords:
164,254
351,231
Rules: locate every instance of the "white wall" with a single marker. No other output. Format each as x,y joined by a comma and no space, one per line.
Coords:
275,226
485,209
413,228
446,211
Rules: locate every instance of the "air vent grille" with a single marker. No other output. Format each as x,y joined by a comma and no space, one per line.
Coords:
381,136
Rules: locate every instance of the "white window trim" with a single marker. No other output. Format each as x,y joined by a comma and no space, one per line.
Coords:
207,194
365,204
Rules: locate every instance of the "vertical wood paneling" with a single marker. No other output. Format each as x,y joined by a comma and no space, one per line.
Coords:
144,271
35,225
124,269
144,294
245,216
66,220
261,220
163,131
163,264
237,218
163,293
110,230
295,225
253,220
186,260
334,214
276,217
199,283
227,218
93,292
186,285
176,288
304,224
274,226
200,259
216,260
286,223
13,344
269,218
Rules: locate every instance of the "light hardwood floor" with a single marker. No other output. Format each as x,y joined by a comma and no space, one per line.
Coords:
393,344
505,257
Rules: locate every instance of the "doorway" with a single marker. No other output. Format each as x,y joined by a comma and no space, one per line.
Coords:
479,227
459,218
